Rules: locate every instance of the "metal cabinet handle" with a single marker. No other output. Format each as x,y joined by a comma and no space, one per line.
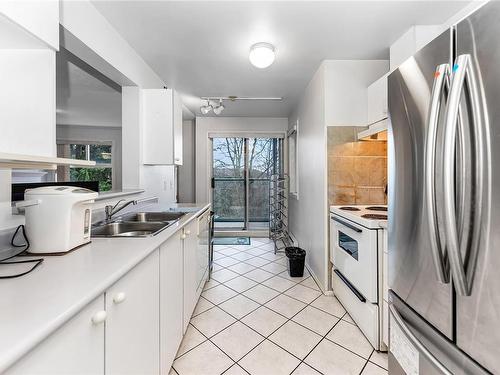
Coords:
99,317
188,232
441,82
416,342
462,74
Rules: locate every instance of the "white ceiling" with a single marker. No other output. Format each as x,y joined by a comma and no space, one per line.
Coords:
82,99
201,47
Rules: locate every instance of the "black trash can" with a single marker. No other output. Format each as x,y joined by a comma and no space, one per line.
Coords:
296,261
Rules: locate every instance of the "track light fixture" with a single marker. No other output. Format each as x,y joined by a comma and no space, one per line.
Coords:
218,108
206,108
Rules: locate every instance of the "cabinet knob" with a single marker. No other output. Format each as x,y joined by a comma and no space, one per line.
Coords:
119,298
99,317
183,236
188,232
177,159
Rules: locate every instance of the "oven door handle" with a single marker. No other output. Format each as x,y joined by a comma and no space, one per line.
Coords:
350,286
346,224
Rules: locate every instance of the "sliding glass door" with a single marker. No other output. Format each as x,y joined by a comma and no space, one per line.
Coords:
241,171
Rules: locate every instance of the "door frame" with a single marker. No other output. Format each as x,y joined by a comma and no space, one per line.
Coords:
242,134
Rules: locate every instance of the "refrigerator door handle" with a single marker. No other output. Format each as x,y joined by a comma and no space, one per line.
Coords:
462,75
441,83
416,342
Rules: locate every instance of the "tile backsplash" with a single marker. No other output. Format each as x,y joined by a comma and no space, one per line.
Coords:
357,170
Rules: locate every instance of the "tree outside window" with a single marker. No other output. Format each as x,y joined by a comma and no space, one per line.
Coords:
101,172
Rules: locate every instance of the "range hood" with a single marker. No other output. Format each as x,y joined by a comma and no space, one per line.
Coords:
375,132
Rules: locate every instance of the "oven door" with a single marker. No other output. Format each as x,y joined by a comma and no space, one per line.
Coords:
354,255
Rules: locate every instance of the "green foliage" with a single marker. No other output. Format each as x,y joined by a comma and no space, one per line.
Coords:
103,175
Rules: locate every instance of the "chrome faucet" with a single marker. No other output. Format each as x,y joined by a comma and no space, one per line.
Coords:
111,210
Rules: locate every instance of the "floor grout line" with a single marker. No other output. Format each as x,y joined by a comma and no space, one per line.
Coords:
287,319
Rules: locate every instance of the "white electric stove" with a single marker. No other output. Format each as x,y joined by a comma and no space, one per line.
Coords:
356,250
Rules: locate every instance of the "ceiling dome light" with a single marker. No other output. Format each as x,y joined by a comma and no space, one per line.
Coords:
262,55
218,110
206,108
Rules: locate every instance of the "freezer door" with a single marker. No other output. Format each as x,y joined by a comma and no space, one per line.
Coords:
416,244
417,348
478,314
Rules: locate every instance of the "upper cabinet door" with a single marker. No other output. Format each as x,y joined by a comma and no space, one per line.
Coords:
377,100
162,136
133,321
75,348
177,129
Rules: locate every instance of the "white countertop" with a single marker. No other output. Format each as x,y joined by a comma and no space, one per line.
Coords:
35,305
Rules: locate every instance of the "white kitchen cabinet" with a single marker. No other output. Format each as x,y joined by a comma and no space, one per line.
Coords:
377,100
202,249
162,127
133,323
75,348
190,242
171,300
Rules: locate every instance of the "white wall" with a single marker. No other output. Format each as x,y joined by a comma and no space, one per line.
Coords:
243,125
345,89
187,171
335,96
38,18
92,38
307,214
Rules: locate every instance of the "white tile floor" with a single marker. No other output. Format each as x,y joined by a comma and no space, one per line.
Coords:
253,318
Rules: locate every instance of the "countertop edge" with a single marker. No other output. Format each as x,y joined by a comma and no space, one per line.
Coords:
17,352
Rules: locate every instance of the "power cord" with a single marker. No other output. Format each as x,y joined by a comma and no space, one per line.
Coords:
25,247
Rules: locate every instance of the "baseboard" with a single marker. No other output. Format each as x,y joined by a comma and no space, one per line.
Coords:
318,283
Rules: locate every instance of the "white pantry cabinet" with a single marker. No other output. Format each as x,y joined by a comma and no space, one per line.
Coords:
171,300
377,100
162,131
133,321
75,348
190,242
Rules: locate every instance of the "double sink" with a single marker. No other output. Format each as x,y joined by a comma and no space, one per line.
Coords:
136,224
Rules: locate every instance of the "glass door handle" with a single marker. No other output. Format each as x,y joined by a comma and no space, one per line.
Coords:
441,83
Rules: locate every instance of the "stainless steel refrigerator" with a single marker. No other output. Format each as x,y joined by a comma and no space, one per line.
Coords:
444,202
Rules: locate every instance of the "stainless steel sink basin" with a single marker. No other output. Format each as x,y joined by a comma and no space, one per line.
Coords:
153,216
128,229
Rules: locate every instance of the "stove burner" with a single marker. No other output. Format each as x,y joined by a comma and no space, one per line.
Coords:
375,216
376,208
347,208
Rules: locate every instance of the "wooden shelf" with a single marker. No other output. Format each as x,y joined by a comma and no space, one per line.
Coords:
39,162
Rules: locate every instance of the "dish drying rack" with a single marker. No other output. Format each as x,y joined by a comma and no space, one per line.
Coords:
278,212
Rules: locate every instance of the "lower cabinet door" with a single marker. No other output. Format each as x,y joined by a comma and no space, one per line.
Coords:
171,300
202,250
190,270
133,322
75,348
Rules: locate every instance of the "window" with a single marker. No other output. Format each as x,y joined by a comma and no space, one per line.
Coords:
292,160
101,153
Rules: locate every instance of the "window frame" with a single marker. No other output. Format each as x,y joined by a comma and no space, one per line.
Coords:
112,165
293,165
